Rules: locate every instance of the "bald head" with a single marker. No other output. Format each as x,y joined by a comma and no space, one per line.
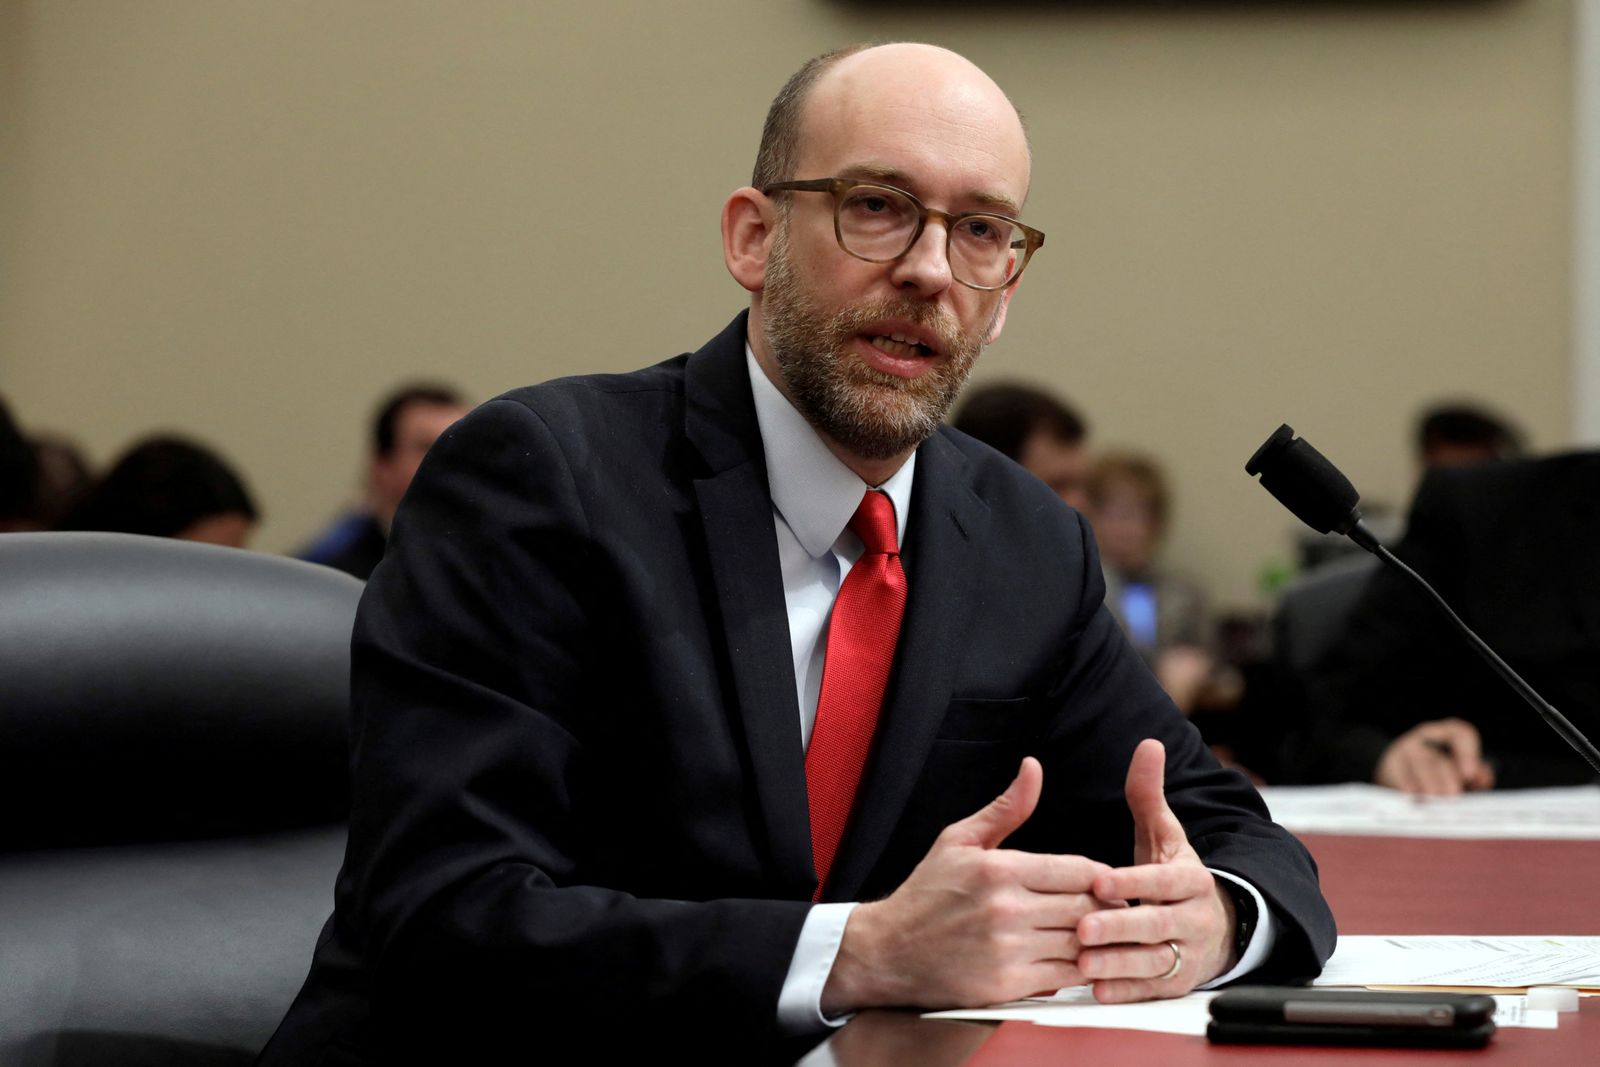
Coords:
905,82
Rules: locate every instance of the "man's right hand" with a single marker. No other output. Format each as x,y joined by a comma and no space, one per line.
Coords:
974,923
1438,758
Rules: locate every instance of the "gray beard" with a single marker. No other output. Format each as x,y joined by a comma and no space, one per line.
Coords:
872,414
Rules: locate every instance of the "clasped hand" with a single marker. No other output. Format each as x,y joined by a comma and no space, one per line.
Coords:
979,924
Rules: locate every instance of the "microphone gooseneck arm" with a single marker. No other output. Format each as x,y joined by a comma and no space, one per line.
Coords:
1558,722
1320,496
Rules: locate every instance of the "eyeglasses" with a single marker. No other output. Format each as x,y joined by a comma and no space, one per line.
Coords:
879,223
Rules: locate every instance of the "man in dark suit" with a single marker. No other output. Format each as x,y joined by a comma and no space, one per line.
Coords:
1403,701
602,730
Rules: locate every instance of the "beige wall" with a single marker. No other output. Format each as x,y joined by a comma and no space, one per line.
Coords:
244,220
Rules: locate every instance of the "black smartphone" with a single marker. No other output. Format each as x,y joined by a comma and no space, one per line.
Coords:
1280,1015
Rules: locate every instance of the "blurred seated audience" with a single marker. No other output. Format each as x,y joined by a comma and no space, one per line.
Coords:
169,487
1446,434
406,424
64,478
1457,434
1164,615
1402,700
19,477
1037,430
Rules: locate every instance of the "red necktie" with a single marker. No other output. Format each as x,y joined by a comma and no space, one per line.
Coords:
862,632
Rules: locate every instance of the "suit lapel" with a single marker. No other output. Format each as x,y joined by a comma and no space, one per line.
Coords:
947,520
736,515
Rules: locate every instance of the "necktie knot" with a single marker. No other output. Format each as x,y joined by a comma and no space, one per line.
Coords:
874,523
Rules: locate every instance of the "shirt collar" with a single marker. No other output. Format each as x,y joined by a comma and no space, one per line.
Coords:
812,490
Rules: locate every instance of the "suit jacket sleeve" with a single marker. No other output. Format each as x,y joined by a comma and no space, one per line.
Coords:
478,754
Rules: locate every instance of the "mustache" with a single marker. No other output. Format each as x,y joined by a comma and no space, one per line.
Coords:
852,320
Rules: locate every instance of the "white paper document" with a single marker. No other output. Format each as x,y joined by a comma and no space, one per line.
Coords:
1570,813
1076,1006
1474,962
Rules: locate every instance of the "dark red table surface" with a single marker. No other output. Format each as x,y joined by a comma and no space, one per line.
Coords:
1376,885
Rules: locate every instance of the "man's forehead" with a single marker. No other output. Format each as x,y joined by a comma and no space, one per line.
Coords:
904,113
427,416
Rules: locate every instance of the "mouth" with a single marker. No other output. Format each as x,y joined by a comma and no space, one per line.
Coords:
899,345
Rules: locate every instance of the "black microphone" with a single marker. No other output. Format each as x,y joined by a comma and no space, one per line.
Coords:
1308,485
1320,496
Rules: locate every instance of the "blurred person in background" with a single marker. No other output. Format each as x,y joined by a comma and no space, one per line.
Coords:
1456,434
1039,431
65,477
407,423
169,487
1445,434
1401,699
18,477
1163,614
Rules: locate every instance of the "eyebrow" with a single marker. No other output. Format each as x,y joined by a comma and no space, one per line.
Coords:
892,176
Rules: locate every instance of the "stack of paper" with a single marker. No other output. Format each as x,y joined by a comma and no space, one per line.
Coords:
1569,814
1475,963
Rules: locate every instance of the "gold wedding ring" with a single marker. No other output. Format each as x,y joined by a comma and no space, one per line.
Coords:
1177,962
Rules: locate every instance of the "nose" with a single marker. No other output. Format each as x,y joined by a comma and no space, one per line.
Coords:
925,267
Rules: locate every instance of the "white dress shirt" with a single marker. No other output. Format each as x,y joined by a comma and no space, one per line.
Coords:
814,496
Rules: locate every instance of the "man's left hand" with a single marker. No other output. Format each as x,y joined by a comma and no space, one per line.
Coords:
1128,954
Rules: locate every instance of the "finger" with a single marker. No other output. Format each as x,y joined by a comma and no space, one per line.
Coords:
1056,946
1130,990
1413,770
1154,882
1465,747
1047,873
996,821
1061,911
1147,924
1437,774
1423,776
1127,961
1156,831
1047,976
1417,766
1484,779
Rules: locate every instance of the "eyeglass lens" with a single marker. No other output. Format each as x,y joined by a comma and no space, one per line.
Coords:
878,223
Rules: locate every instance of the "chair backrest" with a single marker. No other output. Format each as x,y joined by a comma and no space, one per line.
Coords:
185,706
153,689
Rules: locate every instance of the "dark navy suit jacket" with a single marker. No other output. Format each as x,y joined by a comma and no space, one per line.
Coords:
579,790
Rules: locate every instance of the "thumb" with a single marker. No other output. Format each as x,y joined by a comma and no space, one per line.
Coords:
998,819
1157,834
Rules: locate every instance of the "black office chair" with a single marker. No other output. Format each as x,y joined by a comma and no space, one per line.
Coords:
172,793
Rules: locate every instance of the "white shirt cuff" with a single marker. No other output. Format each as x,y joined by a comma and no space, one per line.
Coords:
1261,942
800,1001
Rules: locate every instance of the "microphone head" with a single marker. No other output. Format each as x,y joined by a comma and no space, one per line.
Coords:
1305,482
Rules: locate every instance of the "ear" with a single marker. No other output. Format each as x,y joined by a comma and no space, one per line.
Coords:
1000,315
748,219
